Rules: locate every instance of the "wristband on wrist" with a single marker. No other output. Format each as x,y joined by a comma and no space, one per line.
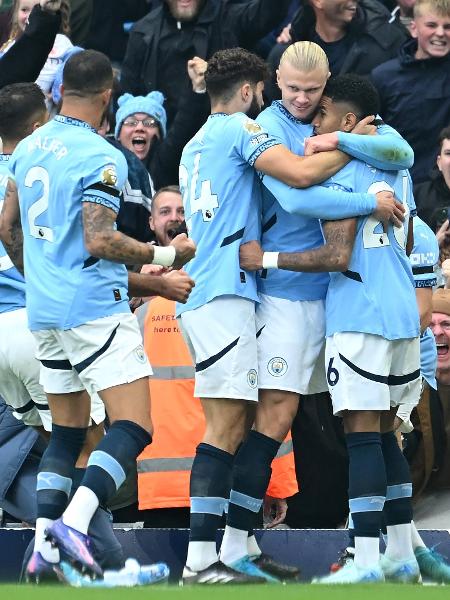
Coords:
270,260
163,255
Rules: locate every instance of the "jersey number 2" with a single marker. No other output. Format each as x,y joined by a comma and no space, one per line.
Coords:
40,206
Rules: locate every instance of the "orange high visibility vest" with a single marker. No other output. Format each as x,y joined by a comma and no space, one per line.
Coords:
164,466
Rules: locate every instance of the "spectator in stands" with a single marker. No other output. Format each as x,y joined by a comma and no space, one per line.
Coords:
107,32
21,12
26,59
141,126
161,43
356,36
433,196
414,88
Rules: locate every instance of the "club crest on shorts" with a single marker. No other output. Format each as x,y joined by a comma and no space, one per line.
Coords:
277,366
252,378
140,354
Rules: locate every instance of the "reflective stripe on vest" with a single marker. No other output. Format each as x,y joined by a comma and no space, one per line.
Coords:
161,465
172,373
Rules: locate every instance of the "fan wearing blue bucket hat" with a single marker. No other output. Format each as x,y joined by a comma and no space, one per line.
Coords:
140,121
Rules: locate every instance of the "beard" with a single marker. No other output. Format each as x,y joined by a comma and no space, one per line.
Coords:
184,14
254,108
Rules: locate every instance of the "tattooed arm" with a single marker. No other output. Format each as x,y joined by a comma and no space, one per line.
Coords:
334,255
103,241
11,227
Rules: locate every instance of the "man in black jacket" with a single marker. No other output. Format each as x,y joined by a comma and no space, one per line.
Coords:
161,43
356,35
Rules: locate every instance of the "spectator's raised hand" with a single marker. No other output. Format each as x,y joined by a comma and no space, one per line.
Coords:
285,35
443,235
50,5
196,70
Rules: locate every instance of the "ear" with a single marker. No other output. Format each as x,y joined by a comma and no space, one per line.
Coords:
278,78
246,91
150,222
61,90
106,96
413,29
438,162
41,121
348,122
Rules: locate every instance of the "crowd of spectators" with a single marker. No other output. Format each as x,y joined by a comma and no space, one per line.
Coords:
160,50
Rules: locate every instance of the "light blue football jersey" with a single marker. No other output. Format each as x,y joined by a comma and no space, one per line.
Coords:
376,294
12,285
287,231
220,191
56,168
424,257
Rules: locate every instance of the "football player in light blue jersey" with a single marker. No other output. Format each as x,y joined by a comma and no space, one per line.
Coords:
68,185
220,191
372,345
22,109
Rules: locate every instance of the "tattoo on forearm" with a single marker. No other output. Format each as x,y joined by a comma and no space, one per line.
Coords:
99,232
12,227
332,256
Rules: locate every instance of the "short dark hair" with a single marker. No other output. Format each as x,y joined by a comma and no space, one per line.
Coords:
443,135
87,73
21,104
173,189
228,69
357,91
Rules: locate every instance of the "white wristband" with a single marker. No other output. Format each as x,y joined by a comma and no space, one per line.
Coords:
163,255
270,260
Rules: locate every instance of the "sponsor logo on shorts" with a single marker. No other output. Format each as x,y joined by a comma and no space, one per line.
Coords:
252,378
140,354
277,366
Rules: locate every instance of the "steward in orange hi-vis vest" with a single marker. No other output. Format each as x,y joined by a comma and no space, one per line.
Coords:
164,466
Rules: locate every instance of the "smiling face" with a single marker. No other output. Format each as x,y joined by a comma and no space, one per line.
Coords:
432,32
23,12
137,133
301,90
167,216
340,12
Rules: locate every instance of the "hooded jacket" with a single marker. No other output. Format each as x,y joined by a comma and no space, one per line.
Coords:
414,98
374,39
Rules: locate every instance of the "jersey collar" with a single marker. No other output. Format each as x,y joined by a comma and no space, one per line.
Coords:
278,105
5,157
73,121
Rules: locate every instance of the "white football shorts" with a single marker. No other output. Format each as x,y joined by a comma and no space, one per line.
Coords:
369,372
291,344
95,356
19,374
221,336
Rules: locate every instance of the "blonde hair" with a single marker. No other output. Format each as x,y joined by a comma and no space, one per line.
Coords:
306,56
438,7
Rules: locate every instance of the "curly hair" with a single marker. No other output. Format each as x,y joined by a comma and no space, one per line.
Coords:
357,91
228,69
